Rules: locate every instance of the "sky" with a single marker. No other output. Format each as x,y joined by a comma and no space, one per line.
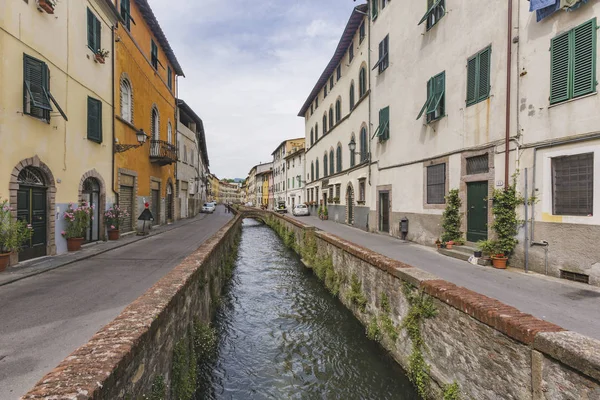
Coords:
249,67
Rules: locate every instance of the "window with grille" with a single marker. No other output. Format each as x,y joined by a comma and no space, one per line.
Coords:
478,165
361,190
573,184
478,77
338,190
436,184
573,63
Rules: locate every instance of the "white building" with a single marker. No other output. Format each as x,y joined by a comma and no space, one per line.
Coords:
336,115
295,177
279,167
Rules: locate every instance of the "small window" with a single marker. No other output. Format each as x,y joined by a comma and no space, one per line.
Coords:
330,118
361,32
324,123
383,130
436,184
362,82
339,159
93,25
352,154
185,153
317,102
374,9
573,185
434,106
169,132
351,96
169,78
338,110
312,109
126,97
325,91
436,9
338,72
331,82
325,165
384,3
364,150
478,77
154,125
312,172
573,63
478,165
312,137
94,120
316,132
36,101
384,59
331,162
338,189
317,172
351,52
361,190
154,54
126,13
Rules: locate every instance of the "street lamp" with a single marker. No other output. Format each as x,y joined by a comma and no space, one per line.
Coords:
141,136
352,145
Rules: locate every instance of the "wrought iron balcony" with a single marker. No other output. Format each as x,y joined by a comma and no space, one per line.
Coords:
162,152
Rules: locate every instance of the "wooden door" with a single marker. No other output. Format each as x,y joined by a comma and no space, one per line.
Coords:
477,211
384,211
31,208
126,203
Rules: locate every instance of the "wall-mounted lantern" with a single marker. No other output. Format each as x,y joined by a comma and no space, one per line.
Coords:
141,136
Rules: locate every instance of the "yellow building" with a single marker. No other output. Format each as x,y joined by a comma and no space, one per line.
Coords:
266,178
145,85
56,104
214,193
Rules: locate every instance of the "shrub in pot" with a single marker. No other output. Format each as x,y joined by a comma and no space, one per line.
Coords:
78,221
13,234
114,217
451,218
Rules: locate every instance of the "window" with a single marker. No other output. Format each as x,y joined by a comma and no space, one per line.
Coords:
36,101
154,54
94,120
362,82
351,52
331,191
317,193
361,190
436,184
126,109
338,110
169,78
573,63
573,185
287,184
331,162
317,171
154,124
478,165
325,91
325,164
93,25
364,151
330,118
169,133
384,3
478,77
384,59
435,104
312,137
374,9
352,153
324,123
351,96
316,132
383,130
436,9
338,73
312,110
317,102
339,158
126,13
362,32
185,153
331,82
338,189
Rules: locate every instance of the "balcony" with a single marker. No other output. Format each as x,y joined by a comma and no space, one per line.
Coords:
162,153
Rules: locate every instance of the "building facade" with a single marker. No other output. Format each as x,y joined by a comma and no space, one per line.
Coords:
192,163
213,187
145,85
279,166
56,96
295,177
336,115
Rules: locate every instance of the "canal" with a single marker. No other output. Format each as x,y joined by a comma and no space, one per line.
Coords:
283,336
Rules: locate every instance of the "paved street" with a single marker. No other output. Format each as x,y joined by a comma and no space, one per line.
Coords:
45,317
571,305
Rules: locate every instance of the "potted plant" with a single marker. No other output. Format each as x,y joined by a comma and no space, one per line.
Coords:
506,224
438,243
336,200
493,249
78,221
361,202
113,217
101,55
320,212
13,233
449,244
47,5
451,219
325,213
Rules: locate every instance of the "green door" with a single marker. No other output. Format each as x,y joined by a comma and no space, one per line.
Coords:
477,212
31,208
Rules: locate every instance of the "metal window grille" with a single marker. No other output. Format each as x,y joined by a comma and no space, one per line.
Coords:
573,184
574,276
478,165
436,184
338,190
361,190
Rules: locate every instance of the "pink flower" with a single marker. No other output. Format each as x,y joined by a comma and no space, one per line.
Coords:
112,227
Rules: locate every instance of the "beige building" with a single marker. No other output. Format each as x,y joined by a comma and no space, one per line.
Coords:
336,115
295,178
57,97
279,166
255,183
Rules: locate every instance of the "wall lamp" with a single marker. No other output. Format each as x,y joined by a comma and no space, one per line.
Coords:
141,138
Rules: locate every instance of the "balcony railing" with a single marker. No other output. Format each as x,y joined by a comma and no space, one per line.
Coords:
162,152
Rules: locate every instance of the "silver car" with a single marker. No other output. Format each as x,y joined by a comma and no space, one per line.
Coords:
300,209
208,208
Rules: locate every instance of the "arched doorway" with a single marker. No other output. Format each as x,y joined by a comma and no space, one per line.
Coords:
350,204
169,205
90,194
32,208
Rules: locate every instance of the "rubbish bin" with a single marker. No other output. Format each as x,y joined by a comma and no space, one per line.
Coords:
404,227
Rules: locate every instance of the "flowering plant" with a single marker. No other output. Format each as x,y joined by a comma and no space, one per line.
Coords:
78,220
13,233
114,216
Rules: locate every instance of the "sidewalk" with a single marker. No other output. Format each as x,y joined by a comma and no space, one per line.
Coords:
40,265
573,306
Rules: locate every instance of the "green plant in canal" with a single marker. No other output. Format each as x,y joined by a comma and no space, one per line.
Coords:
506,224
158,389
289,239
309,250
385,303
355,295
388,327
205,340
451,219
452,392
421,307
373,331
183,381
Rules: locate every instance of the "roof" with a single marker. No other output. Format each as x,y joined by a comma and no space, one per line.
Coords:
284,142
160,36
200,128
295,153
353,24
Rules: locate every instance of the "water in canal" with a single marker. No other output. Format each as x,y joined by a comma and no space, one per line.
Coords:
283,336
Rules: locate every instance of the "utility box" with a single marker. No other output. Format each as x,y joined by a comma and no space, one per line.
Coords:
404,227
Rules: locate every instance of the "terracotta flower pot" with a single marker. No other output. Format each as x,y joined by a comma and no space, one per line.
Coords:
74,244
99,58
449,245
4,260
113,234
499,262
46,6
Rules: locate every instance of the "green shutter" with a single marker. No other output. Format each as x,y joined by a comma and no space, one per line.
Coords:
439,85
97,34
94,122
483,81
431,4
374,9
125,12
584,57
384,123
559,68
90,30
35,74
472,80
429,98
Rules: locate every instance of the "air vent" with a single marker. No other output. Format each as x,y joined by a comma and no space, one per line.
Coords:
574,276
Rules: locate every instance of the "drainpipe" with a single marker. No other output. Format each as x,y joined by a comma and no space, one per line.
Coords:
112,44
508,94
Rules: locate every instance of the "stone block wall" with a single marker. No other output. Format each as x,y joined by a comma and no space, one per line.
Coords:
489,349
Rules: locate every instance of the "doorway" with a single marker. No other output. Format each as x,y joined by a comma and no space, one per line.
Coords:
91,195
154,205
477,212
384,212
32,208
350,204
169,203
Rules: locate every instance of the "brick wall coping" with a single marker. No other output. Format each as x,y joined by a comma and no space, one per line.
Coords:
96,364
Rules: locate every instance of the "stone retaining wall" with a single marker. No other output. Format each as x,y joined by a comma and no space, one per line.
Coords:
491,350
134,354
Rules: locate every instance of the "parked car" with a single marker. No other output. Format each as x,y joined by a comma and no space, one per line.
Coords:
300,209
208,208
281,208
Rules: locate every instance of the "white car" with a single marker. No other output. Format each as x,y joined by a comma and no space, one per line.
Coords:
300,209
208,208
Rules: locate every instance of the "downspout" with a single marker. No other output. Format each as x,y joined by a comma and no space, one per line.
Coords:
114,112
369,86
508,94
